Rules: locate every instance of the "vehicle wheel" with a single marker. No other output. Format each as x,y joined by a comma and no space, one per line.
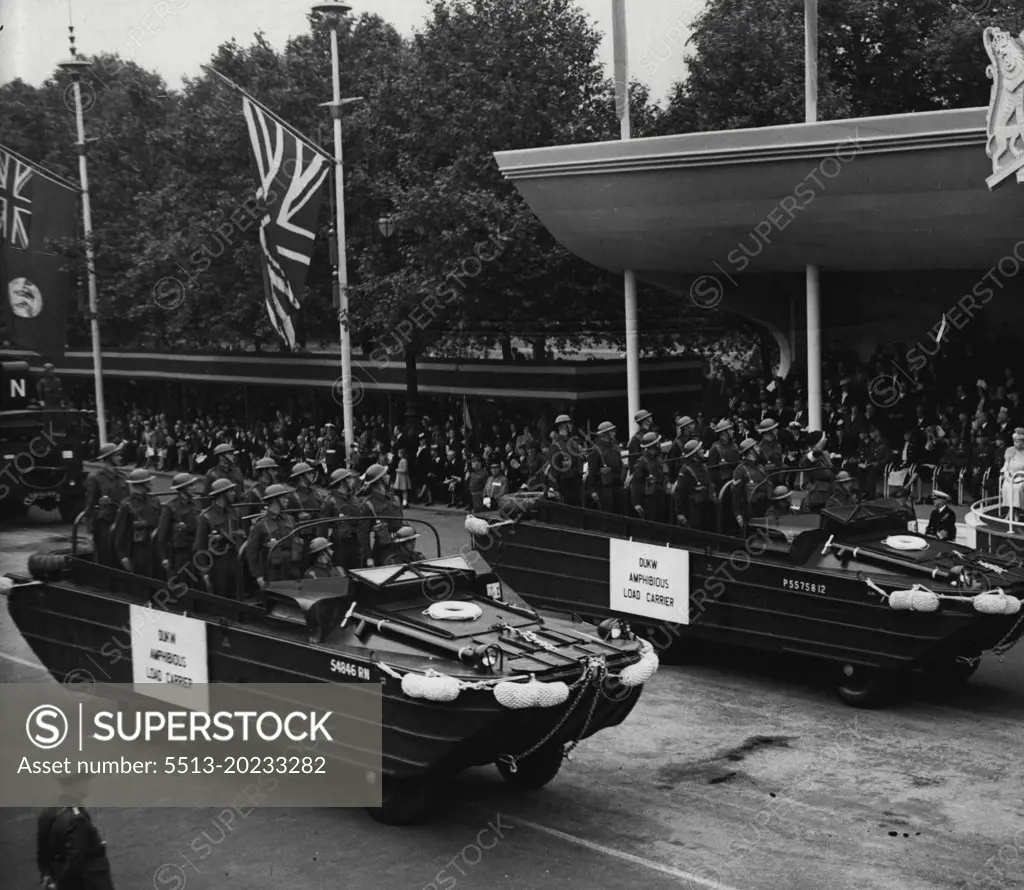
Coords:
952,671
865,688
69,509
535,771
404,801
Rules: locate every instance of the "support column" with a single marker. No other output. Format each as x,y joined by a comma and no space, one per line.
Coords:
813,348
632,351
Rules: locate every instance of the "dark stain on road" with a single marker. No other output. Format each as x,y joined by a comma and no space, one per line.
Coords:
713,770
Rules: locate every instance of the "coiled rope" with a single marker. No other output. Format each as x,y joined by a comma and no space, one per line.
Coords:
920,599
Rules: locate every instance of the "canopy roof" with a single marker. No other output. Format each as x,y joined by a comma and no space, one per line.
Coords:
902,192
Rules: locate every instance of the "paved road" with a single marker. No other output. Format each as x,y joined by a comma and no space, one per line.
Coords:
730,773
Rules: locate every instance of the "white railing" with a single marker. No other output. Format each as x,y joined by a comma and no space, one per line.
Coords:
987,510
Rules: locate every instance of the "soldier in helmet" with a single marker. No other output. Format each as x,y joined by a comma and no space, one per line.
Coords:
266,474
686,429
104,492
226,468
70,853
218,536
723,455
307,498
644,421
137,519
404,552
340,502
842,491
694,495
647,487
769,446
605,473
179,519
49,389
780,504
323,560
565,463
750,486
269,561
382,517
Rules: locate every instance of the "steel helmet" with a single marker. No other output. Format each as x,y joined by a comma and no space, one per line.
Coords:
225,448
108,450
277,490
318,544
265,463
140,477
301,468
341,474
691,448
374,474
746,445
219,486
562,418
650,440
182,479
405,533
779,492
606,427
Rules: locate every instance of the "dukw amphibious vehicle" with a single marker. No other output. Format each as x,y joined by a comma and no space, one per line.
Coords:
468,676
850,586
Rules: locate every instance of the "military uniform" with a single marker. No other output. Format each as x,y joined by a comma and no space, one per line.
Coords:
104,492
218,537
494,488
310,502
382,515
281,563
231,473
343,536
647,488
605,478
942,519
332,453
137,519
402,556
176,533
750,492
566,469
70,851
817,468
318,571
771,451
841,498
777,512
694,496
723,458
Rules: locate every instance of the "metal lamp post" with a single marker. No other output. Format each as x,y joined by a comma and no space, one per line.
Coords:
334,13
76,66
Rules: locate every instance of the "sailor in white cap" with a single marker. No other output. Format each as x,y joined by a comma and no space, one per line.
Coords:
605,476
226,468
565,463
647,489
644,421
137,519
942,521
104,491
817,468
723,456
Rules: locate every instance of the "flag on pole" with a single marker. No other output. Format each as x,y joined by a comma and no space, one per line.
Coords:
293,174
36,207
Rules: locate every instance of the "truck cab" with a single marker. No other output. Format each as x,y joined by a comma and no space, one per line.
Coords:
41,448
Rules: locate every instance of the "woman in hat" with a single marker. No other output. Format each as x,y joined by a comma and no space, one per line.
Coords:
1011,476
605,472
647,492
179,521
137,519
104,492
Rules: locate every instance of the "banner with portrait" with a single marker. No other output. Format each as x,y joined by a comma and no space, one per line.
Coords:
37,209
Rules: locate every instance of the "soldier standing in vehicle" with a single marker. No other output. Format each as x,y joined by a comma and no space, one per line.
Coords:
382,517
340,503
769,446
750,486
685,431
566,463
647,487
226,468
323,560
137,519
266,470
780,504
842,493
70,853
179,520
605,473
104,492
404,552
635,449
308,499
817,469
218,537
694,494
267,559
495,486
723,456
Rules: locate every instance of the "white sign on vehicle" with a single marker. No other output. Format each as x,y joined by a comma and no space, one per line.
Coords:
169,658
649,580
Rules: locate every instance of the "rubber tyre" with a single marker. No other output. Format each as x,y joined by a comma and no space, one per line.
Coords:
46,566
950,672
535,771
867,689
404,801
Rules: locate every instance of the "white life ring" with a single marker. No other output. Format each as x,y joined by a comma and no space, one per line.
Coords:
449,611
906,542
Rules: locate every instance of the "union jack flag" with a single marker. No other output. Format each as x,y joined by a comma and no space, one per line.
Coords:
15,202
292,174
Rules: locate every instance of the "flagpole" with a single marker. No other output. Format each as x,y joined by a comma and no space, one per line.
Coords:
334,12
76,65
629,276
813,283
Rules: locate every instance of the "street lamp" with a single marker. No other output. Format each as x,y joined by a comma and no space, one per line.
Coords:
386,224
334,12
76,66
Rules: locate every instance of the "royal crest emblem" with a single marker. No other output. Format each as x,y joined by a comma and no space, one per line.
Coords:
1005,144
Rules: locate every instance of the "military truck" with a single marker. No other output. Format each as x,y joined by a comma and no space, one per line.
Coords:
42,447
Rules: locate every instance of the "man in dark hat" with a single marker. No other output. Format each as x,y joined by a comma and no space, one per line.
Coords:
605,472
104,492
647,492
694,495
942,521
644,421
70,854
723,456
